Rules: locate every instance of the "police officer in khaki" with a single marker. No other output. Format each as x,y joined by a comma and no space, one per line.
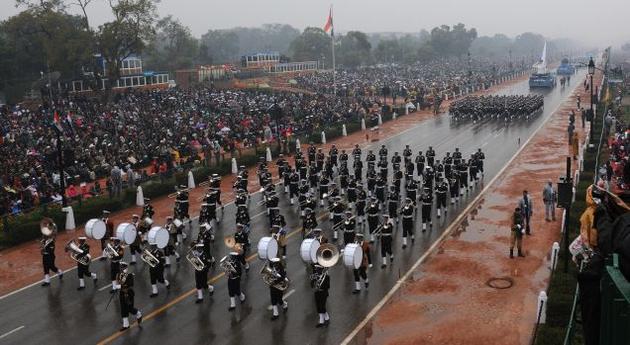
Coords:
516,233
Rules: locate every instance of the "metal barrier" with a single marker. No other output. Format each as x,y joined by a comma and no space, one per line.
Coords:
615,312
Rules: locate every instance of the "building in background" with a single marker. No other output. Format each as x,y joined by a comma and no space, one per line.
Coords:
132,75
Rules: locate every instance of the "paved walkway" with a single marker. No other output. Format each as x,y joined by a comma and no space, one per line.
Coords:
21,266
447,299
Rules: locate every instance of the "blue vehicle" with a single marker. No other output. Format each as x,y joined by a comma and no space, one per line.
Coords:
565,68
541,77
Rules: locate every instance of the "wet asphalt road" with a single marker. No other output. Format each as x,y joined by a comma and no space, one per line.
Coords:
61,315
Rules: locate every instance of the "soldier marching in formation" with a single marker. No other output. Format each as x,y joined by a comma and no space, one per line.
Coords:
323,185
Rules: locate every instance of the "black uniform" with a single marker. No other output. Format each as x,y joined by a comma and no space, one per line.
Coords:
48,256
430,156
349,228
321,294
407,223
420,161
234,278
156,274
386,239
427,205
372,216
127,295
83,270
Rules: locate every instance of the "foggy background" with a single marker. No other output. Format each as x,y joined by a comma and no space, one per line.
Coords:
551,18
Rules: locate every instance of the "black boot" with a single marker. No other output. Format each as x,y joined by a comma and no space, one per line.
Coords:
511,253
520,254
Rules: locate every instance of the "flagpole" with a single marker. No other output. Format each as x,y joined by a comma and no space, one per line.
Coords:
332,42
62,183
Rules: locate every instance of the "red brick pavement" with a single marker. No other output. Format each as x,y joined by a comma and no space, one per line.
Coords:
447,299
21,265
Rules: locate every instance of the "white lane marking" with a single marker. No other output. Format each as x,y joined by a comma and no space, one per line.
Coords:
105,287
283,297
446,232
484,144
10,332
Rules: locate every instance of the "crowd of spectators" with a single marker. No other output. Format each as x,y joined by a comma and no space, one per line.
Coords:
419,81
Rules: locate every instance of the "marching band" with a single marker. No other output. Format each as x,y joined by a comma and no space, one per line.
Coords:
354,208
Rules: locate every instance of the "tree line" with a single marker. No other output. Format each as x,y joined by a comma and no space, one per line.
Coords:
46,36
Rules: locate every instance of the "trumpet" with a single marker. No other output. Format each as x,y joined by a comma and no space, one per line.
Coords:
194,258
76,253
172,195
110,252
149,258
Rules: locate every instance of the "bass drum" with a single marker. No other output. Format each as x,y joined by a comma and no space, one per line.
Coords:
267,248
95,229
126,232
352,255
158,236
308,250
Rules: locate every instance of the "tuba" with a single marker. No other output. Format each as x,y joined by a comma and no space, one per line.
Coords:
76,253
327,256
269,277
149,258
195,260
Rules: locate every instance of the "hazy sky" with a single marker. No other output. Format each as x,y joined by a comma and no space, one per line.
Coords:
579,19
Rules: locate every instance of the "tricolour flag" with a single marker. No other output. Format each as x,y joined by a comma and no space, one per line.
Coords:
329,23
57,122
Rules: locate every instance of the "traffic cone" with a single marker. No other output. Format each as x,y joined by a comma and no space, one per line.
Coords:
139,197
191,180
344,132
70,224
323,137
362,124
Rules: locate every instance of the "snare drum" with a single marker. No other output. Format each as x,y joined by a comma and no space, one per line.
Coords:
353,255
95,229
267,248
126,232
308,250
148,221
158,236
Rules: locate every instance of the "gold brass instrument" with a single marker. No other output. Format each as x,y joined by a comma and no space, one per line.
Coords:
230,242
149,258
110,252
269,277
227,265
75,253
193,257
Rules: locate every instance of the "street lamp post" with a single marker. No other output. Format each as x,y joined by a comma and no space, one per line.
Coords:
591,72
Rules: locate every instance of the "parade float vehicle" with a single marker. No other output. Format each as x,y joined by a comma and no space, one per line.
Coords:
565,68
541,77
